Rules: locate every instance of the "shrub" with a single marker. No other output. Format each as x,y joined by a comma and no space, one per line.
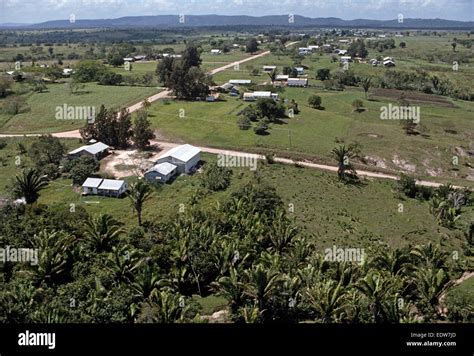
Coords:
216,177
407,185
315,101
244,123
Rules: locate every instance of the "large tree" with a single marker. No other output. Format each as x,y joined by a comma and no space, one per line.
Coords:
142,131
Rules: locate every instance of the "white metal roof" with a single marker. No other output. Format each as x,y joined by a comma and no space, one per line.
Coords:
164,168
92,182
92,149
282,77
111,184
240,81
182,153
297,80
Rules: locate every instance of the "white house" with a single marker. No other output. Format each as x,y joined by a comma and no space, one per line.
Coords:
161,172
184,157
269,68
297,82
313,47
107,187
304,50
340,52
260,94
129,59
344,59
389,63
240,81
91,185
299,70
97,150
216,51
140,57
282,78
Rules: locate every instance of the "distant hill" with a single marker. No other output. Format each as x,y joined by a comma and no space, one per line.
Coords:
219,20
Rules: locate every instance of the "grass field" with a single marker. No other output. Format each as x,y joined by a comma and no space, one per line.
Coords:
40,116
314,132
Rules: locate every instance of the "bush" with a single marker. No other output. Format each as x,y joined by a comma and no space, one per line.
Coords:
358,105
110,78
407,185
315,101
216,177
3,144
261,128
244,123
81,168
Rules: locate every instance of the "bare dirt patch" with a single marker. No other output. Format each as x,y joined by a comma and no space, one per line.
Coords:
404,165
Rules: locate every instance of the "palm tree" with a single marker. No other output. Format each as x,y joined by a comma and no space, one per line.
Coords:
28,185
165,307
365,83
230,288
146,104
138,194
431,284
53,255
147,282
101,232
343,156
261,284
282,233
273,74
376,289
328,299
123,262
396,261
430,255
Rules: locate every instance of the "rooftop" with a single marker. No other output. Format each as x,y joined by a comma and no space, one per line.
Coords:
182,153
163,168
92,182
111,184
92,149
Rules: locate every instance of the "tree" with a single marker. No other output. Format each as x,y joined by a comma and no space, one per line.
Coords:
142,131
89,71
81,168
28,184
164,69
5,86
46,149
365,83
323,74
116,60
315,101
357,49
328,299
216,177
251,46
431,284
138,194
146,104
273,74
110,78
14,104
102,232
454,44
270,109
244,123
402,44
376,289
191,57
407,185
262,127
343,156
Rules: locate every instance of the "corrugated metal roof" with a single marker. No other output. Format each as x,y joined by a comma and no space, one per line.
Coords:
92,149
182,153
111,184
92,182
163,168
240,81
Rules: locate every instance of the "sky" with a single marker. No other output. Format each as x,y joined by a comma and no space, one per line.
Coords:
35,11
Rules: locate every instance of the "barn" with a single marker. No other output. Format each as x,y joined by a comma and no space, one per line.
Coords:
184,157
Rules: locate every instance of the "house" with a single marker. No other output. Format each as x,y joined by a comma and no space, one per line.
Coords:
304,50
374,62
97,150
240,81
388,59
269,68
282,78
216,51
260,95
140,57
91,186
227,88
184,157
389,63
299,70
340,52
161,172
345,59
313,47
129,59
107,187
298,82
344,41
